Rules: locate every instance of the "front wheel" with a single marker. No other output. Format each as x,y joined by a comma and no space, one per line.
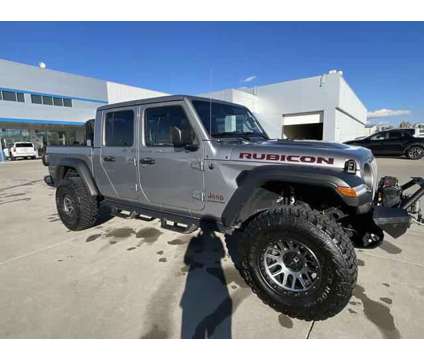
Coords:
76,207
298,261
415,152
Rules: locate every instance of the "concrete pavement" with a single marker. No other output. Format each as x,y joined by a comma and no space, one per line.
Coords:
132,279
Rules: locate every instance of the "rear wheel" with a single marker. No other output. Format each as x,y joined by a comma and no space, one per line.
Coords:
76,207
415,152
298,261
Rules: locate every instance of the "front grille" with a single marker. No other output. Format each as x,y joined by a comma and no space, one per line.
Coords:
374,170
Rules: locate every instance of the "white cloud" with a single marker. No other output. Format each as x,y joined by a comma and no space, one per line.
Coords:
387,112
249,79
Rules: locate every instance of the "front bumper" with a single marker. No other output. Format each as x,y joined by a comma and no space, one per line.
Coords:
396,220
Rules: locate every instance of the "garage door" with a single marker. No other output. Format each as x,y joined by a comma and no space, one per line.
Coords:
302,126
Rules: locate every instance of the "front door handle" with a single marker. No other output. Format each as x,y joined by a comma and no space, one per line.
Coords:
147,161
108,158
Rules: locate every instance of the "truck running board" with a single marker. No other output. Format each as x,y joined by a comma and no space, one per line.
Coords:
178,227
174,221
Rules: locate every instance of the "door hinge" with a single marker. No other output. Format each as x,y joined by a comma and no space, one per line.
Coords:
198,195
198,165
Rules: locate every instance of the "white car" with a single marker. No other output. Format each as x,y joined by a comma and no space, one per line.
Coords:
22,150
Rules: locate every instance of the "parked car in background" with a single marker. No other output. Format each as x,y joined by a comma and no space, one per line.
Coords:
22,150
393,142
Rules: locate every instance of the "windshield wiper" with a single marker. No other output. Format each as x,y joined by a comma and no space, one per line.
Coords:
242,135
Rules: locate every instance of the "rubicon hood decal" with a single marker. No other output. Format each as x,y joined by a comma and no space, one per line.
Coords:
308,159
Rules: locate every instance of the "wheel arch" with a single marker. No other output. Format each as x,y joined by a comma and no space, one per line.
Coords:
81,169
407,147
258,189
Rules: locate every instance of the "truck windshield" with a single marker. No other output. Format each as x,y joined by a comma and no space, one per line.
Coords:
225,120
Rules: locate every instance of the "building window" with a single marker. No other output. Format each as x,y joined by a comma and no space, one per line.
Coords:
9,95
47,100
20,97
57,101
119,128
67,102
50,100
36,99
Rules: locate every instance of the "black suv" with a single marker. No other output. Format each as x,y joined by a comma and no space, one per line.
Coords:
393,142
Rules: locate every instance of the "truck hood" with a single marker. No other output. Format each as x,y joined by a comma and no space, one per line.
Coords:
312,153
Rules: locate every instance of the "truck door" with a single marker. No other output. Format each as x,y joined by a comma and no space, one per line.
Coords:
170,176
118,153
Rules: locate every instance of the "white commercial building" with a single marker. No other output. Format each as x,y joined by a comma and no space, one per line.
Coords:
48,107
321,107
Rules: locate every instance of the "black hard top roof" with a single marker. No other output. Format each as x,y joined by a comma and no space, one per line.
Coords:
161,99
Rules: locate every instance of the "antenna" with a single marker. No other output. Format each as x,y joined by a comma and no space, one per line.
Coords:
210,100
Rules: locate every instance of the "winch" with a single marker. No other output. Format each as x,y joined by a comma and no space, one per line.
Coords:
394,209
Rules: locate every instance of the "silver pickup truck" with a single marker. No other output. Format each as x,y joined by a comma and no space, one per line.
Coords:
292,211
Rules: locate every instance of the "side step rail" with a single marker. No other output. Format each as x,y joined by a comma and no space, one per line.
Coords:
178,227
131,215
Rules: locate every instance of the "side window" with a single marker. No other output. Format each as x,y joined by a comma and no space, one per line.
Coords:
119,128
379,136
393,135
160,121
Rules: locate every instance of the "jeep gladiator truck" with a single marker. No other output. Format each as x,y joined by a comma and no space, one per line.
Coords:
291,210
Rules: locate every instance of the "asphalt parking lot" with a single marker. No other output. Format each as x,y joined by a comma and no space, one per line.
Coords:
132,279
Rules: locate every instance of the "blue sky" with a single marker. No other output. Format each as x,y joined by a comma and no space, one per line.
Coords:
383,62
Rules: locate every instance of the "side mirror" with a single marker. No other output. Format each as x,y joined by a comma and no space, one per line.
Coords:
183,138
176,136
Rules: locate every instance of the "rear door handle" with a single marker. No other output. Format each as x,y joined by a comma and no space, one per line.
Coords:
147,161
108,158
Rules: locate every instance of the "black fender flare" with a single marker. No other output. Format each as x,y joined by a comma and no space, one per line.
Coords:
250,180
83,171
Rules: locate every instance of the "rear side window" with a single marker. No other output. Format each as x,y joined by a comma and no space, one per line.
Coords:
24,145
159,122
119,128
393,135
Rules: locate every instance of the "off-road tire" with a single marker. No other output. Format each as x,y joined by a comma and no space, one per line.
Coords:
320,233
415,152
85,207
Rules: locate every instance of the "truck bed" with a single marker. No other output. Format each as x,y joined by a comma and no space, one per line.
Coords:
83,153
